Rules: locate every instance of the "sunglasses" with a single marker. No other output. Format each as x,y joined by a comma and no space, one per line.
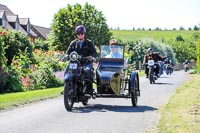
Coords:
113,46
80,34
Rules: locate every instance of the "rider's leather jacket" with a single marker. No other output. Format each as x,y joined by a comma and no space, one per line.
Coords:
154,56
87,48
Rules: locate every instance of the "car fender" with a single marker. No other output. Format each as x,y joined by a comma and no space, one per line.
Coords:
133,75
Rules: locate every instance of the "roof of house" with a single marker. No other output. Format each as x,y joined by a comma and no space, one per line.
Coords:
44,32
6,9
23,21
9,26
12,18
36,31
1,13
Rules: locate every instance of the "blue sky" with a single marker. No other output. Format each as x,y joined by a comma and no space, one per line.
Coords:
125,14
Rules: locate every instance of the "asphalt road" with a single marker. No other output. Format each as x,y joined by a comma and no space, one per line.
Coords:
102,115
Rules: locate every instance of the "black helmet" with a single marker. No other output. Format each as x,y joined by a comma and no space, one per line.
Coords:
80,29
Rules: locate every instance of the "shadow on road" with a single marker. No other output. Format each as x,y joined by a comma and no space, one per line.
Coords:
114,108
160,83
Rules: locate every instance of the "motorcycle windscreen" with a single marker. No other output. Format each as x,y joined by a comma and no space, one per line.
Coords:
115,83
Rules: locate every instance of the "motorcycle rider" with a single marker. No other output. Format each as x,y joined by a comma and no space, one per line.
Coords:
167,61
186,64
84,47
161,66
152,56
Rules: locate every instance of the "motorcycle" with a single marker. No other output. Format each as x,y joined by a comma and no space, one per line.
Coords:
169,69
186,67
151,75
75,82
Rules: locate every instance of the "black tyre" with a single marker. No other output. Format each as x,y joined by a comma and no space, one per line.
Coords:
68,95
85,102
134,97
151,79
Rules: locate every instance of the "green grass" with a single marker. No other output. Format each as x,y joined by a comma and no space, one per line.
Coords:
182,113
15,99
129,35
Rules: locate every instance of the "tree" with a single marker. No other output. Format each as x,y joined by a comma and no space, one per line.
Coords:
198,54
179,38
174,29
195,28
65,21
181,28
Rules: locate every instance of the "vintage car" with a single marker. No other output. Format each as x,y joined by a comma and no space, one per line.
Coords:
114,78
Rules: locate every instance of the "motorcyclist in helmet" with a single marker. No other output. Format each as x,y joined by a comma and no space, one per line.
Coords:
186,62
85,48
161,66
167,61
152,56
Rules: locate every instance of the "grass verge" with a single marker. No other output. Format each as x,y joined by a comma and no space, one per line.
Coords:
182,113
15,99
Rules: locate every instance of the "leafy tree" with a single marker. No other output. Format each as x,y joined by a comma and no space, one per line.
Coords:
179,38
184,50
195,28
181,28
13,42
65,21
40,44
198,54
196,36
2,50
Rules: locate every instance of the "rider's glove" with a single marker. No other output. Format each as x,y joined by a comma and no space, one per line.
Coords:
65,58
93,59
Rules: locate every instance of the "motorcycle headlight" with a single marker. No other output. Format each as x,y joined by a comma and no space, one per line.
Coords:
73,56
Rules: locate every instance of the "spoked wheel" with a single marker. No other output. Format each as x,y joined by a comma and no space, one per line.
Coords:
151,79
134,97
68,95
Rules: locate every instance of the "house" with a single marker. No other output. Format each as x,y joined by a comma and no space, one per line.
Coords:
11,21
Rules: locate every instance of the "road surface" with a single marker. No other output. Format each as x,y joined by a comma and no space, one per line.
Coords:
102,115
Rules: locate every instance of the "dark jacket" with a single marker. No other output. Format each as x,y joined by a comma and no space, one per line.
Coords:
154,56
87,48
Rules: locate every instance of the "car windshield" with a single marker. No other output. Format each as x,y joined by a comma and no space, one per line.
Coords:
112,51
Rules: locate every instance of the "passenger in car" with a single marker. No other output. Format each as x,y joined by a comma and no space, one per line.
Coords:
114,53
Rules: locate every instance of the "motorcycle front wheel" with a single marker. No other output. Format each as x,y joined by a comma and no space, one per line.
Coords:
68,95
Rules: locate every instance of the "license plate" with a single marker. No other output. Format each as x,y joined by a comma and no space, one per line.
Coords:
73,65
151,62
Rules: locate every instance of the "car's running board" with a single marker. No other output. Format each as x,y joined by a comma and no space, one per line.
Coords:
112,96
